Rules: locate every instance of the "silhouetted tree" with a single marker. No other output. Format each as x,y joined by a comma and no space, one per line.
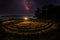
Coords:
49,12
37,13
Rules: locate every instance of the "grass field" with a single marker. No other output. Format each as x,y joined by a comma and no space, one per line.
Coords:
27,27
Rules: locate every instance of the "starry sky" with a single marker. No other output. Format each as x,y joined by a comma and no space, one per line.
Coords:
23,7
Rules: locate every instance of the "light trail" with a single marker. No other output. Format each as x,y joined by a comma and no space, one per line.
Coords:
28,27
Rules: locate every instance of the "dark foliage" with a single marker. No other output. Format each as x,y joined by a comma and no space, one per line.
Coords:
48,12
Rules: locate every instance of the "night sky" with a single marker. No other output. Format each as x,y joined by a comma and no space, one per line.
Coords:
23,7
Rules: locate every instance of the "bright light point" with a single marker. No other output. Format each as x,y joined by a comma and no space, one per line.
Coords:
25,18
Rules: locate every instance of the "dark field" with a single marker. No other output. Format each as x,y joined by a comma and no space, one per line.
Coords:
29,30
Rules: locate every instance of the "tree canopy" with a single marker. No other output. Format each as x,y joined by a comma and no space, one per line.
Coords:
48,12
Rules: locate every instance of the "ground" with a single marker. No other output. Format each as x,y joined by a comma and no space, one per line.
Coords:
28,27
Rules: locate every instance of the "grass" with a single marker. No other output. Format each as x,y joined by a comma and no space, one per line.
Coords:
32,26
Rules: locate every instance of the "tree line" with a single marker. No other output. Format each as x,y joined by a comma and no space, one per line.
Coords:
48,12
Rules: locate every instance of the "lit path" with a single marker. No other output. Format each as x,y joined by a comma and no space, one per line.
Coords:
27,27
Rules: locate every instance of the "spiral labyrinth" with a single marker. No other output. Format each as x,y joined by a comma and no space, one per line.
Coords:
27,27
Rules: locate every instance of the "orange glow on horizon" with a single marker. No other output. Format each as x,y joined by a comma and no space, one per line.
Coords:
25,18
